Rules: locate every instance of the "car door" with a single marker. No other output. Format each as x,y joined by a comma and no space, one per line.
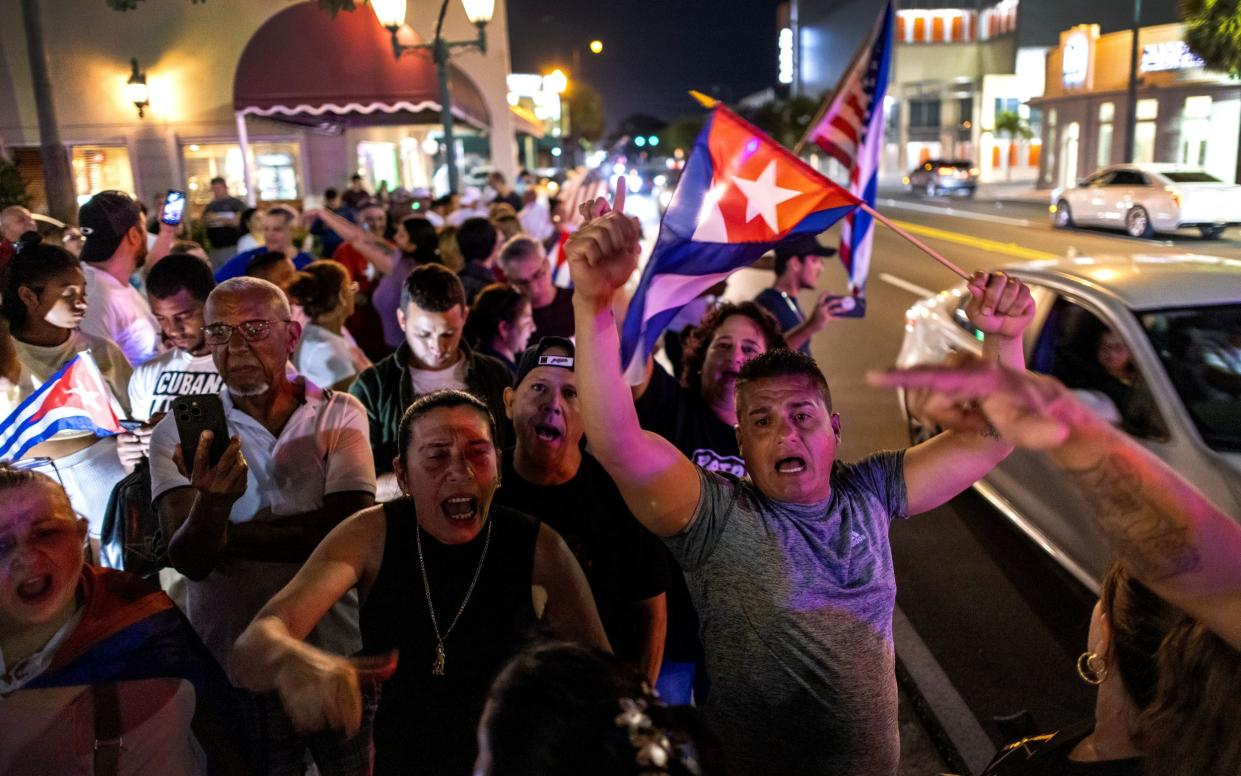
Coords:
1040,498
1082,199
1121,191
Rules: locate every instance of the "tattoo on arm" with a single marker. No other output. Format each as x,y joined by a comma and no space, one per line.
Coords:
1154,544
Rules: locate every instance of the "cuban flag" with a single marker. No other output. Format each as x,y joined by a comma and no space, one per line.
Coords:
76,397
850,130
739,195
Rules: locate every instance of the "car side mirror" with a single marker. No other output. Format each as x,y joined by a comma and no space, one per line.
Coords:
1080,182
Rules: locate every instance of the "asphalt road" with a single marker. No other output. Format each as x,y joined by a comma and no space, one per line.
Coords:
1003,621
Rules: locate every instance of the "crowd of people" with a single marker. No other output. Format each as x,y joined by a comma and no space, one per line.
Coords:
446,537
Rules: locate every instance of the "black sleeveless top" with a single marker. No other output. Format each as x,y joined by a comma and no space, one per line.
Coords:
426,724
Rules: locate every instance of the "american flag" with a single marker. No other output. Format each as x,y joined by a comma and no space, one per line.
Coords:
850,130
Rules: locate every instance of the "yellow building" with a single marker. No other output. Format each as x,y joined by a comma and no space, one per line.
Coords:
1185,113
313,99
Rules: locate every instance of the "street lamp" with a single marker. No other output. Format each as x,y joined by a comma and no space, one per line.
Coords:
596,47
391,14
136,90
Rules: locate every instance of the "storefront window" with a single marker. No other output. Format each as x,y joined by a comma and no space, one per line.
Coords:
1145,130
275,163
377,162
99,168
1195,130
1107,116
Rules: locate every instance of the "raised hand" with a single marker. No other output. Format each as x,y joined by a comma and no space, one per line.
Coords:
226,479
1000,306
1027,409
603,253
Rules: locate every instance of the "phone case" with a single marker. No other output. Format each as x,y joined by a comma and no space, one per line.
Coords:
195,414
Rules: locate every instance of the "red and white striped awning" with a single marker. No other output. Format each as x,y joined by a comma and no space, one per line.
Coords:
304,67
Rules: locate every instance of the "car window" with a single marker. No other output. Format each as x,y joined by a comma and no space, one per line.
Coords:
1191,177
1096,362
1201,350
1100,179
1127,178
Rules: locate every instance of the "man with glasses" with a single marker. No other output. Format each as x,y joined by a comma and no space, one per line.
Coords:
526,266
298,463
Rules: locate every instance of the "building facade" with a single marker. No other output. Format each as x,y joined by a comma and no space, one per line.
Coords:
1184,113
243,89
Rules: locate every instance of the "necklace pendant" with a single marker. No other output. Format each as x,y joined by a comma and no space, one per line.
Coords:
437,668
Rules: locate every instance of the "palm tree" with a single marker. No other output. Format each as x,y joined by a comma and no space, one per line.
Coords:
1009,123
1213,32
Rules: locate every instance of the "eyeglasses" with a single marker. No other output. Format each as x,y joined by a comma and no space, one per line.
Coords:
218,334
539,274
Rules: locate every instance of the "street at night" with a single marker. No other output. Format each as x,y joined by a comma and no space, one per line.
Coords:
704,388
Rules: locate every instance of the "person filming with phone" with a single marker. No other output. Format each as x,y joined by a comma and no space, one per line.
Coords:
241,517
798,264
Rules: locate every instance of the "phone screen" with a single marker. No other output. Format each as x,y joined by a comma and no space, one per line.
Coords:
174,208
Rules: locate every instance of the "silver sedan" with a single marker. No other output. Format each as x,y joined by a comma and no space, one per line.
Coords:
1153,344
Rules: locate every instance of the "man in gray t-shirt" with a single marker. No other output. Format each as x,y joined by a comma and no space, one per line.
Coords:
790,568
796,604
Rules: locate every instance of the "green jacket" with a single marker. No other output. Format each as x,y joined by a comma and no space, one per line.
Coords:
386,391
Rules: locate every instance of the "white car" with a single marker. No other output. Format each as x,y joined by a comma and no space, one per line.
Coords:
1169,326
1144,199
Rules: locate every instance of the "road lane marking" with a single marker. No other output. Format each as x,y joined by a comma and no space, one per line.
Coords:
948,211
1008,249
905,285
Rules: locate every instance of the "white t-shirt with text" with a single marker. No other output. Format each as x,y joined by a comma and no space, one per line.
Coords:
157,382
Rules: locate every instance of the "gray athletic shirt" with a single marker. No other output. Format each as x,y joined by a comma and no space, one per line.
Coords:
796,604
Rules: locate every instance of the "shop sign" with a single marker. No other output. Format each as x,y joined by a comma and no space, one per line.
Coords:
1075,61
1170,55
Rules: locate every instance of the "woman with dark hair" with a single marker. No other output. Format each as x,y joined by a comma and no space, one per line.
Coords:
563,709
96,666
324,354
44,300
1168,696
500,324
698,415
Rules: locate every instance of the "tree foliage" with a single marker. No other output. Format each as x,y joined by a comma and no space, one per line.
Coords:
586,114
682,132
1009,123
1213,32
785,120
12,187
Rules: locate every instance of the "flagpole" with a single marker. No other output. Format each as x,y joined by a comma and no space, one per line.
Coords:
928,250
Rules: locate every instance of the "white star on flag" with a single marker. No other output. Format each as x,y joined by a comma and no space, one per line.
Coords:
89,398
762,195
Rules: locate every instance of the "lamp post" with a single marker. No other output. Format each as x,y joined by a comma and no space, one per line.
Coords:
136,89
391,14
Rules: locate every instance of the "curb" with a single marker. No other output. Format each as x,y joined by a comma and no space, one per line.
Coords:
961,741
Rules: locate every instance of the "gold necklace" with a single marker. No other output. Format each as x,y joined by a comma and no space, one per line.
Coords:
437,668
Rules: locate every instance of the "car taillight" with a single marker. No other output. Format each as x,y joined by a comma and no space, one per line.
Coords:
947,171
1176,197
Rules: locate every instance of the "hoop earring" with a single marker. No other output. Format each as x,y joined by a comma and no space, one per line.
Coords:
1091,668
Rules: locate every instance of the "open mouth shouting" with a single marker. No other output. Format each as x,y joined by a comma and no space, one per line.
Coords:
791,465
545,432
460,508
36,590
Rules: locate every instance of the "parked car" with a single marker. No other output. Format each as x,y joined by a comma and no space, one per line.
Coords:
937,176
1177,321
1144,199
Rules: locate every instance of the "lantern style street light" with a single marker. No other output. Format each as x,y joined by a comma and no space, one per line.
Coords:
391,14
136,90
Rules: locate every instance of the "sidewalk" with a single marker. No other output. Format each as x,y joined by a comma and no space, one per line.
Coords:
1017,191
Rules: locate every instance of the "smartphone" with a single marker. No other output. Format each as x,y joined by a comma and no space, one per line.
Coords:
174,208
848,306
195,414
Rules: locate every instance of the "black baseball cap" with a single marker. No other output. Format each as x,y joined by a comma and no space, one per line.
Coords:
105,219
803,245
537,356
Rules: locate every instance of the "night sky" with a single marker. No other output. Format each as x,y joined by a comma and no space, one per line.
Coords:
654,50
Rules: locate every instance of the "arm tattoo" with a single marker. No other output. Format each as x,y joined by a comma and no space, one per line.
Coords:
1154,544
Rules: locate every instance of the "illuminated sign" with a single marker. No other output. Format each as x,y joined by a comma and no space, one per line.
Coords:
784,44
1172,55
1076,59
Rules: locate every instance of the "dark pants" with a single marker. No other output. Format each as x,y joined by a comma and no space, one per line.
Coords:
282,751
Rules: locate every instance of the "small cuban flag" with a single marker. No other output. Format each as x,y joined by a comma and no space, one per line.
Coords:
740,194
75,398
